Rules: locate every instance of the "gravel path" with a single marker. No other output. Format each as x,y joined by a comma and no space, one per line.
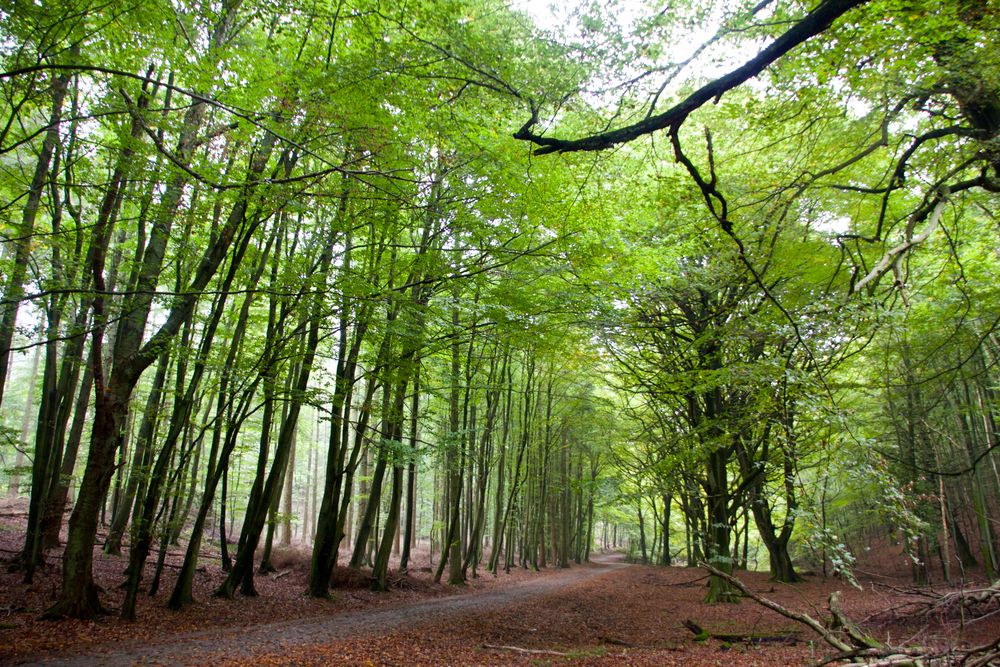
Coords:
236,642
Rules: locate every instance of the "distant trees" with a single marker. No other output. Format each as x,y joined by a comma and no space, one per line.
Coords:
877,142
248,220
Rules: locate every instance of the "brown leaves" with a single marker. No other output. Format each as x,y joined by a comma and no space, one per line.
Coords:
589,615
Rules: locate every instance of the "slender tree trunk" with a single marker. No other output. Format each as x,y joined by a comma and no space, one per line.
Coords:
179,422
242,572
525,437
498,513
141,459
394,434
79,595
411,476
56,506
373,501
485,454
328,519
13,486
451,550
286,517
217,471
14,286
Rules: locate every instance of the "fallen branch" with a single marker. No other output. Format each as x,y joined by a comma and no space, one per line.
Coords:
700,634
617,642
847,626
691,582
967,600
861,650
981,656
538,651
969,604
829,637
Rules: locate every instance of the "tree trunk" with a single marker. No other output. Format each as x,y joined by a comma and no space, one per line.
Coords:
141,459
79,595
242,572
451,550
14,286
328,535
13,486
411,476
56,506
286,517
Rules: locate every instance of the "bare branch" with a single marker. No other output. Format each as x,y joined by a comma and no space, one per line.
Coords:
891,258
811,25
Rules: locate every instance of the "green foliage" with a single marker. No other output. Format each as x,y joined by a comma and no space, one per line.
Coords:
807,303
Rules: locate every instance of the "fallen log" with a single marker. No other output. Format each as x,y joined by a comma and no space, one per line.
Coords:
701,634
857,649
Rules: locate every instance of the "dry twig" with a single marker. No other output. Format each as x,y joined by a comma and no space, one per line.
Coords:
539,651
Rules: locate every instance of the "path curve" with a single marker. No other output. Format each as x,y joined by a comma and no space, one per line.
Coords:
236,642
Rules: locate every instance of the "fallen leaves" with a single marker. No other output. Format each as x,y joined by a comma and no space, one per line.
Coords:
584,616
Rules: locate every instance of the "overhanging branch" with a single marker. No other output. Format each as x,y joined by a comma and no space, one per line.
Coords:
811,25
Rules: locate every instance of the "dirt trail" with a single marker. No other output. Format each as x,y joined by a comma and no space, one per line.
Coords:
274,638
604,615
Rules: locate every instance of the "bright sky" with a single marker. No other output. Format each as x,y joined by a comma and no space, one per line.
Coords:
563,15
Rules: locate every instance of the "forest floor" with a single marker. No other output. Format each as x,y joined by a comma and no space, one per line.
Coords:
603,613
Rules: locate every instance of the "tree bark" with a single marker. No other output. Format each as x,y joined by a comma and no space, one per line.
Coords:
14,287
79,595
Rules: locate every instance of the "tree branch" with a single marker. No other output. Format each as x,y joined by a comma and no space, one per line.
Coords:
892,256
811,25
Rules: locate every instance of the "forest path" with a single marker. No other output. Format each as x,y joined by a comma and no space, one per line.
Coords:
243,643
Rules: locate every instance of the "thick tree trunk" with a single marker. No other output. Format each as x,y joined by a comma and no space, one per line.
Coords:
719,530
79,594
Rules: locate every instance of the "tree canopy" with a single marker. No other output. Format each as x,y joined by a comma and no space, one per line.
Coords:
719,276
